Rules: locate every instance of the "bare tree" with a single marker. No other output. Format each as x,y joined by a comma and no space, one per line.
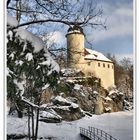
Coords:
127,65
67,12
123,71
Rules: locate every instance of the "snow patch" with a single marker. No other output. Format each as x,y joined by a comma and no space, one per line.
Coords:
77,86
10,33
60,99
112,92
18,62
49,114
12,21
45,62
8,72
70,72
63,100
74,31
74,105
27,101
29,56
12,55
38,67
108,109
108,98
20,85
45,87
95,92
36,42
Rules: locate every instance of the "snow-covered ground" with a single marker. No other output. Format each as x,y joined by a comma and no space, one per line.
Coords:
119,125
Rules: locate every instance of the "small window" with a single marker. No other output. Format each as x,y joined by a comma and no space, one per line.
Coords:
98,64
112,66
104,65
88,63
108,66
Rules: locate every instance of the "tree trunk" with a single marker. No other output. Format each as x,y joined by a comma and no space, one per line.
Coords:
33,135
20,114
37,123
29,133
37,117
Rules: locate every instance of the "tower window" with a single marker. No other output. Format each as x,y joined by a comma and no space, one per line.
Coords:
112,66
98,64
104,65
108,66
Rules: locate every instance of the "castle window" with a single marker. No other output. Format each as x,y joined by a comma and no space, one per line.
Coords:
108,66
98,64
88,63
112,67
104,65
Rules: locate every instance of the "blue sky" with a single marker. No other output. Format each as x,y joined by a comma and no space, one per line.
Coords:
117,39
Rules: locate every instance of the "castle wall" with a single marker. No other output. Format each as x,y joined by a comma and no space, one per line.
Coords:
100,69
105,71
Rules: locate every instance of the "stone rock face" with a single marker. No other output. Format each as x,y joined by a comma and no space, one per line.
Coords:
86,101
116,100
99,106
65,108
71,114
90,102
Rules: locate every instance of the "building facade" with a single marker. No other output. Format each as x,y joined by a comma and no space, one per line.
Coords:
90,62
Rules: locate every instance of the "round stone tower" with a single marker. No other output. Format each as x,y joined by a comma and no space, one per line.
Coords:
75,46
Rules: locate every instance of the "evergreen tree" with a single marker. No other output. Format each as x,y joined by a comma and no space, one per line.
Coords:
27,68
29,72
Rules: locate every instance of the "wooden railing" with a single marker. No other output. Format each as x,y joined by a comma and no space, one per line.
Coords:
88,134
100,133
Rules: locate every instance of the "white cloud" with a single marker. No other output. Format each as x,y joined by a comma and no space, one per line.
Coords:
55,38
119,23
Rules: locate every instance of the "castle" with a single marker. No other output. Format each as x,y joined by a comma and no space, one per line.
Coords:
90,62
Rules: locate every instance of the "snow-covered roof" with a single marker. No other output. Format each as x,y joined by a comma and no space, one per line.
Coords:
74,31
94,55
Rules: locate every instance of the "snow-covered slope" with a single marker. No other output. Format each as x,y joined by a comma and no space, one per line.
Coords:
119,125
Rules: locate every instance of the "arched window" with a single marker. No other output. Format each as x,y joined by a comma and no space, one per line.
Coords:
98,64
104,65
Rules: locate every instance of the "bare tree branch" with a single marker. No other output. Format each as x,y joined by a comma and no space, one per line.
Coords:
8,2
59,21
24,11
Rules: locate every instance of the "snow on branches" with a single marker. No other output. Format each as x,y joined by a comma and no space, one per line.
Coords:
29,64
